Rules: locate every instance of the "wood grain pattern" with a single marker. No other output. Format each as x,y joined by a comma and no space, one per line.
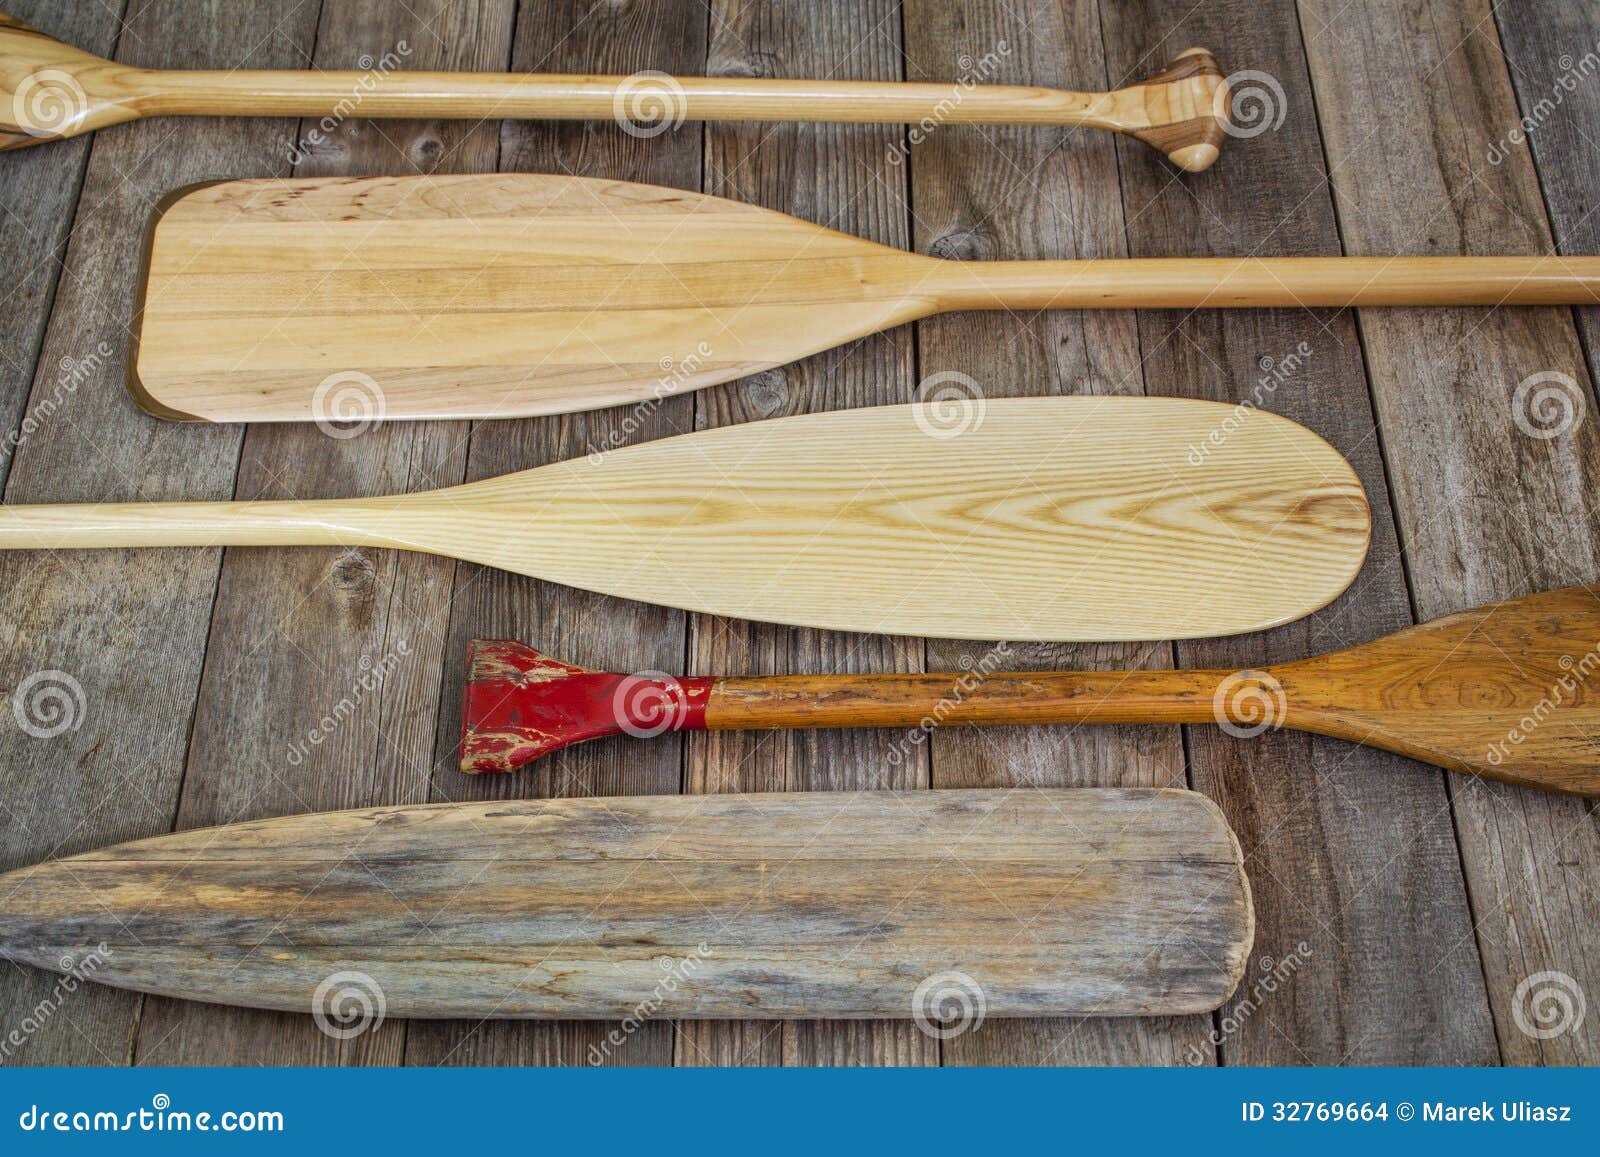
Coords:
514,295
784,905
62,91
1051,518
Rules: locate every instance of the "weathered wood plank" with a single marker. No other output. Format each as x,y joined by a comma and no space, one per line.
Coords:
573,36
128,628
1351,851
1134,902
38,192
1486,508
840,176
1014,193
325,664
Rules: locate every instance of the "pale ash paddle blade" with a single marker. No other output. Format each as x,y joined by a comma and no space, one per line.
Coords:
1025,518
486,296
807,904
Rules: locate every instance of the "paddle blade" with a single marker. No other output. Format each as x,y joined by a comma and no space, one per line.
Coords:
486,296
50,90
521,706
1507,691
1083,518
1045,902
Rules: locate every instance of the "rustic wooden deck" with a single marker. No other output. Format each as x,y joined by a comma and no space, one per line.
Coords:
1407,906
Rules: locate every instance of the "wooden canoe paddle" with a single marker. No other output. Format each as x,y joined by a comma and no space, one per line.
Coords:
1026,518
504,295
53,91
1502,691
1036,902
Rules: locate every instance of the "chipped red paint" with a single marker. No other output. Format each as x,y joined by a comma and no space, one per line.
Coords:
521,705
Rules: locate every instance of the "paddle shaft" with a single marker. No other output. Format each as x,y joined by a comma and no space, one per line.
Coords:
550,96
1261,282
324,522
961,698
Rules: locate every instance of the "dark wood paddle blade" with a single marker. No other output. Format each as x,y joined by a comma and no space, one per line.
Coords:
1506,691
1022,903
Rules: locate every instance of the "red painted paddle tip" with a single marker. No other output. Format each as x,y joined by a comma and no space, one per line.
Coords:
521,706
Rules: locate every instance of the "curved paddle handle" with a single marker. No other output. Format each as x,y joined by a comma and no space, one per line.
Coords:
49,90
1264,282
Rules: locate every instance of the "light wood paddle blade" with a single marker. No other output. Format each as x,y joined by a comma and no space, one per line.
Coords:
811,904
504,295
49,91
1029,518
1502,692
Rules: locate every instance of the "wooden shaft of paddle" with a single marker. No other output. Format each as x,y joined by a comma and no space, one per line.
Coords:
964,697
1221,282
71,525
657,99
